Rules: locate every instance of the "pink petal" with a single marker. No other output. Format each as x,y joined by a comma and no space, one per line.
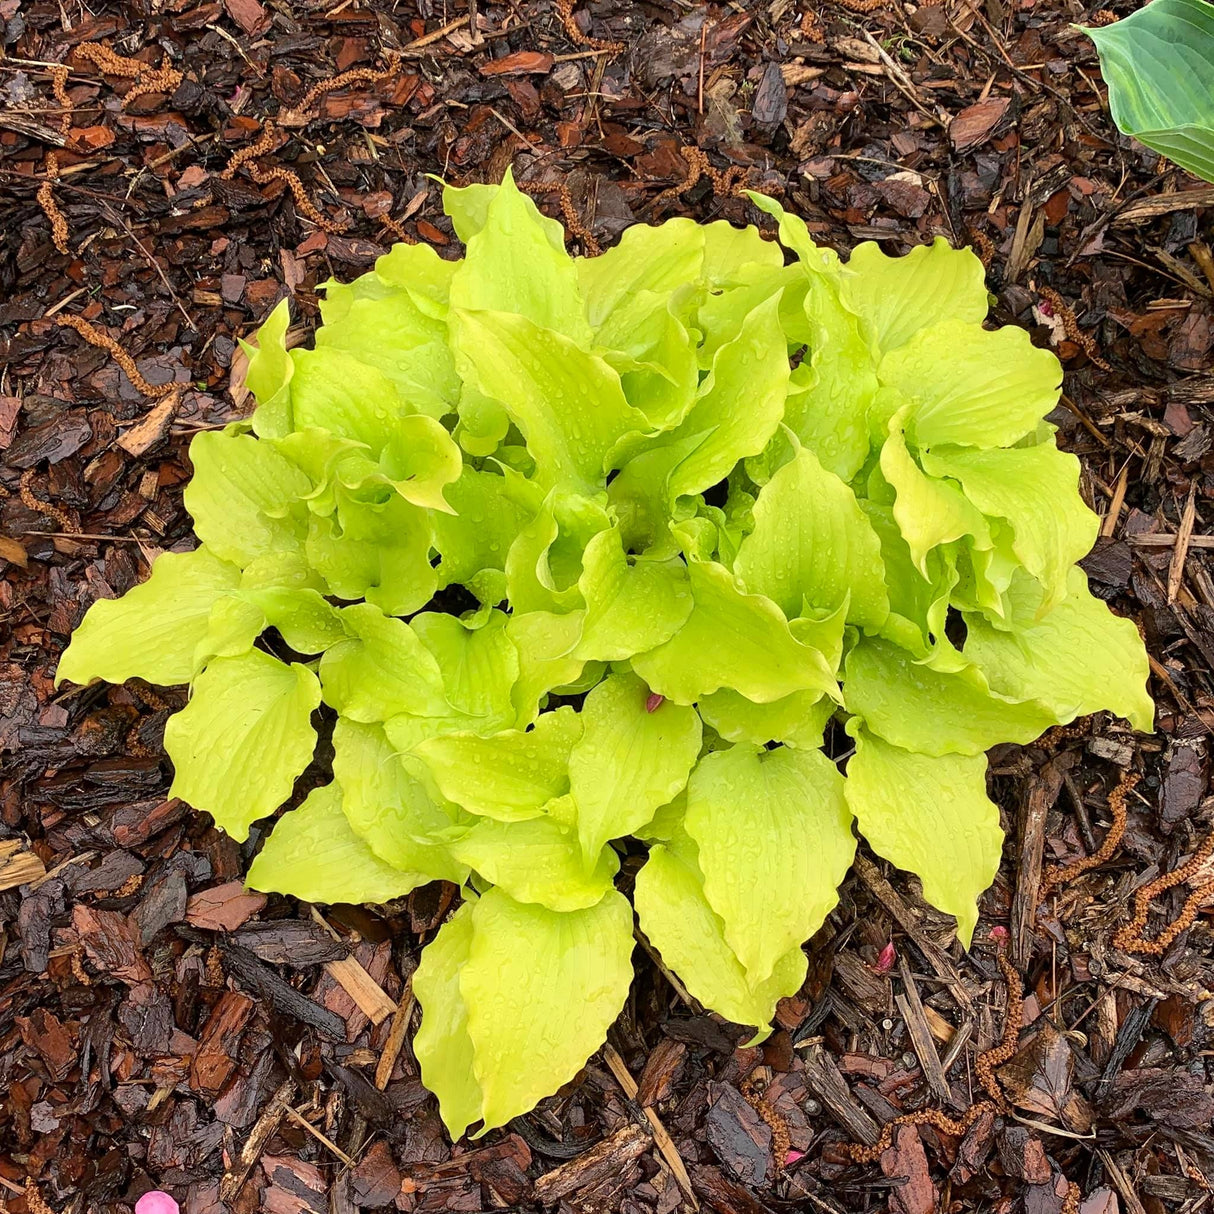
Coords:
885,962
792,1157
156,1202
654,701
1000,936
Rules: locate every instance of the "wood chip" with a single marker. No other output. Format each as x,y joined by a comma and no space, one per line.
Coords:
371,998
1164,204
830,1087
18,867
606,1159
665,1143
911,1007
1183,537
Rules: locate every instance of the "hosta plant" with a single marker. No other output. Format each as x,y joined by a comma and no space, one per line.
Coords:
582,557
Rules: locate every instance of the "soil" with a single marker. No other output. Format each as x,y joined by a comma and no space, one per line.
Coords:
162,1028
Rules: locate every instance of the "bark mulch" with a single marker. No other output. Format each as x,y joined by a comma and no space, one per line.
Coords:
161,1027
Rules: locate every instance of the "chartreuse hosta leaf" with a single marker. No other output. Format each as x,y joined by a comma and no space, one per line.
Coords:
1078,658
576,554
897,297
510,775
732,639
1035,490
930,816
514,999
812,544
153,631
1158,63
630,759
245,735
776,821
314,855
245,498
390,804
677,919
631,606
933,712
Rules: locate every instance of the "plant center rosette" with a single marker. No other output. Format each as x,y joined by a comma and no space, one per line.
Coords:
711,493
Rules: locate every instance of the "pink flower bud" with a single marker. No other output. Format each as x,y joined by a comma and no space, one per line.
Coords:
792,1156
156,1202
654,702
885,962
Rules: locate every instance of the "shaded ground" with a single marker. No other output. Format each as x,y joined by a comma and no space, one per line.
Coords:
158,1027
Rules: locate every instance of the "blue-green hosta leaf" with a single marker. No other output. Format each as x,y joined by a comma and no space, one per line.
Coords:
972,386
797,720
775,821
442,1045
269,372
732,639
629,760
1158,63
479,665
377,550
545,561
509,775
491,508
812,544
388,805
153,631
929,512
934,713
542,988
895,297
538,861
241,496
513,267
1079,658
631,607
1035,490
930,816
382,326
569,405
676,918
245,735
314,855
545,643
381,670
